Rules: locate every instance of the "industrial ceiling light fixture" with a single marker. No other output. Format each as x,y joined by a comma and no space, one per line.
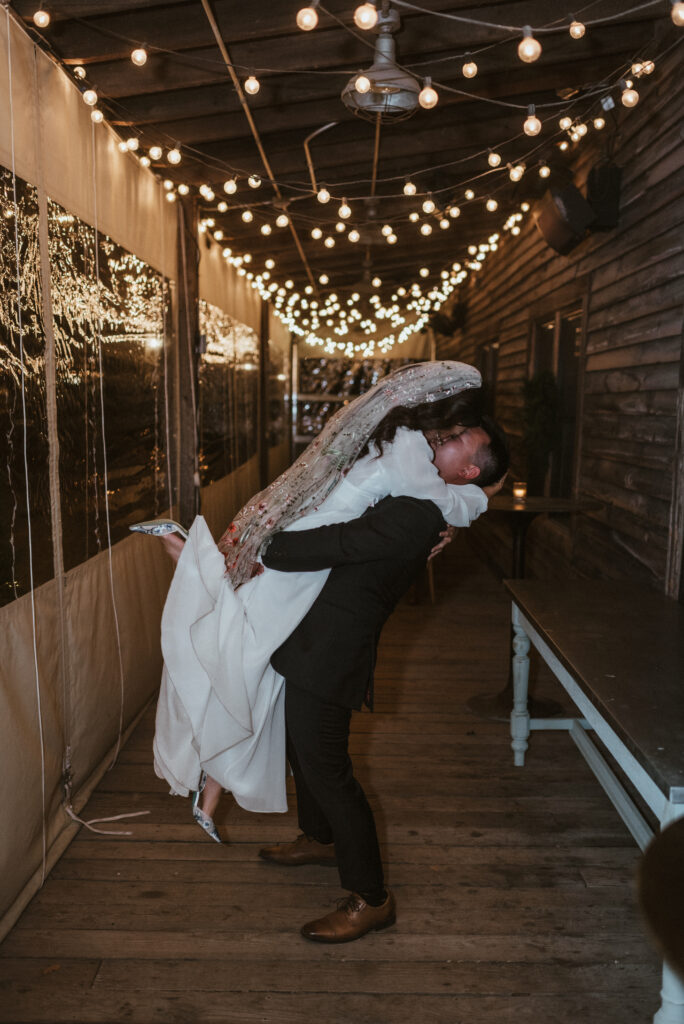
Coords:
393,93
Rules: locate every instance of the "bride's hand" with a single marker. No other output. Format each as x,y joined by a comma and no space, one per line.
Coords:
447,536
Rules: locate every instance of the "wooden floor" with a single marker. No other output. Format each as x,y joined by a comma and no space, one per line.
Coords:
514,886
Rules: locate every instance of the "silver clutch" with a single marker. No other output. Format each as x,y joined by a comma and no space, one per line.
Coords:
159,527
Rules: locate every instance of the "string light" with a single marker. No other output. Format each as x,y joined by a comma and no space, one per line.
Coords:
581,130
362,84
599,123
323,196
493,159
122,147
577,29
269,264
307,18
96,116
252,85
144,159
139,56
454,211
444,224
340,226
629,95
79,72
469,69
366,16
414,216
266,229
247,216
254,181
544,170
426,229
183,190
409,189
565,123
171,198
391,239
282,220
155,152
345,210
168,184
230,186
353,235
316,233
376,282
677,13
516,173
469,194
428,205
90,97
532,125
492,205
329,242
323,279
424,272
41,19
386,230
133,143
427,97
529,48
174,156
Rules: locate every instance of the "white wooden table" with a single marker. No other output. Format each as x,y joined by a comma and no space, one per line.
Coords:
618,651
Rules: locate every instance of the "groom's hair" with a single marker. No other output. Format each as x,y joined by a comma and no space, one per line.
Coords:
493,458
463,409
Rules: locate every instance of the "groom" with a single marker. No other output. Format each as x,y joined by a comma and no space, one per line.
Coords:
328,664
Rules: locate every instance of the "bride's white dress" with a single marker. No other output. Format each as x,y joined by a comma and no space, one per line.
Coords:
221,704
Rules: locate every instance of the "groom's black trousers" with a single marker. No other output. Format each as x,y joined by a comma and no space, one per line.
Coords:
331,805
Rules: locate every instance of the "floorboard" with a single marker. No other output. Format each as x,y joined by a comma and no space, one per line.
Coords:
515,887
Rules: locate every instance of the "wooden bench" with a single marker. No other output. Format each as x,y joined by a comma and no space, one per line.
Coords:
618,651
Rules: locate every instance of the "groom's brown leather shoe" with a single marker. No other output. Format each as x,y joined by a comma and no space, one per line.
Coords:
352,919
302,851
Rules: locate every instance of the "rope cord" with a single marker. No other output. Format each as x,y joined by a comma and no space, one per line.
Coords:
166,351
26,470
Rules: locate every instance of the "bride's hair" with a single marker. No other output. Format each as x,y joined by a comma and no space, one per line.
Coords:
463,409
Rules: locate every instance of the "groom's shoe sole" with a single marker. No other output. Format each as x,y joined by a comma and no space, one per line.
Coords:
302,851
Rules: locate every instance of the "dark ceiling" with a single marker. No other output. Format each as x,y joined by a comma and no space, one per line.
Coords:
184,94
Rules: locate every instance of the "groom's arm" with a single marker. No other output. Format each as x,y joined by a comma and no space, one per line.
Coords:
398,526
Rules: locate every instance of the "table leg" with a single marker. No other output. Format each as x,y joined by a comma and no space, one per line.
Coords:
520,716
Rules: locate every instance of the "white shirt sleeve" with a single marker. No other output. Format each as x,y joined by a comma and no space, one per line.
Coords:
409,469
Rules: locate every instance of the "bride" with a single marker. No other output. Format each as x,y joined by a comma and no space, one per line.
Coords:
220,717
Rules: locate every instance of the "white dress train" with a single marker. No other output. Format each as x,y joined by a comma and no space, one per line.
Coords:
221,704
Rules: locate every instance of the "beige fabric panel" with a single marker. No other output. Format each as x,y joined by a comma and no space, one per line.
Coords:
130,204
222,286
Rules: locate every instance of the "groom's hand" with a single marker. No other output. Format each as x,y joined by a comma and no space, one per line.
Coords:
492,489
447,536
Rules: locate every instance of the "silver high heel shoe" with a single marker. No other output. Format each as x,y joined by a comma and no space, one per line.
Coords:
159,527
202,819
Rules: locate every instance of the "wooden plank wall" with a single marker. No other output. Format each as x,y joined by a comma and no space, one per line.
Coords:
630,371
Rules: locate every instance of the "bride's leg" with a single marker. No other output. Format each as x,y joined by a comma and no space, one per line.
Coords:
209,797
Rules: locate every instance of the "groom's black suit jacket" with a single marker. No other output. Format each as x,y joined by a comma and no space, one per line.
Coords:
374,560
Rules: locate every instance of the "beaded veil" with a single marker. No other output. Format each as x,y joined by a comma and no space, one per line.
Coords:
321,466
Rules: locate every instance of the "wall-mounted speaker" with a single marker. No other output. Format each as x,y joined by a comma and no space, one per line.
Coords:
562,217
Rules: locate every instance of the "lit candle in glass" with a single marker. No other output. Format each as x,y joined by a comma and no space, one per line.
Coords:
520,490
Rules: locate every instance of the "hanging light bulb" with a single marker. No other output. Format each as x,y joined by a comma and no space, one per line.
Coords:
366,16
168,184
677,13
532,125
307,17
529,48
516,173
424,272
329,242
133,143
183,190
144,160
577,29
599,123
323,196
454,211
90,97
353,235
269,264
492,205
494,159
230,186
345,210
218,235
469,194
282,220
362,84
252,85
155,153
376,282
469,69
41,19
581,130
174,155
391,239
139,56
414,216
266,229
171,198
409,189
316,233
247,216
629,95
254,181
428,205
96,116
544,170
79,72
444,224
340,226
565,123
563,145
323,279
648,67
427,96
426,229
122,147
